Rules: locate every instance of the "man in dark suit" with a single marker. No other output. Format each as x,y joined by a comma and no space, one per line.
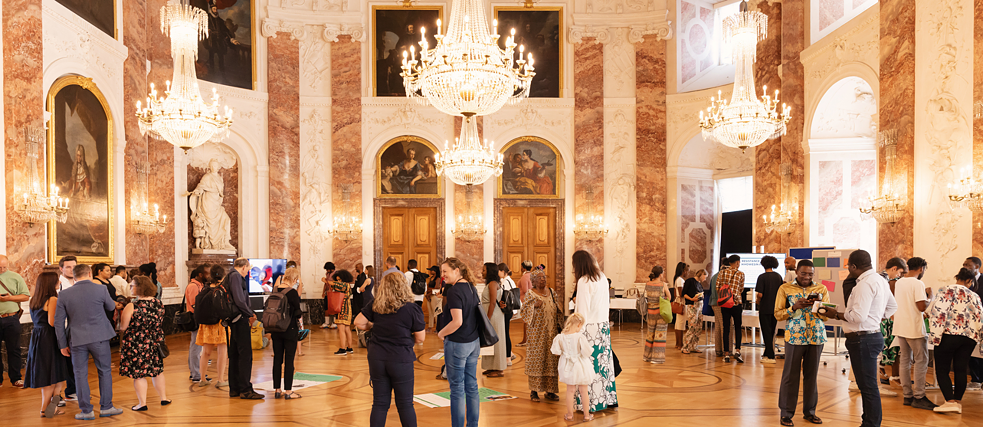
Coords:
84,306
240,341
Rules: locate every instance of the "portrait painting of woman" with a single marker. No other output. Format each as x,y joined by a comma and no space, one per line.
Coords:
406,169
530,170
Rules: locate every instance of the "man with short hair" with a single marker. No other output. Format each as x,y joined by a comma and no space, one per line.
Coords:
973,264
329,269
731,278
805,335
66,266
718,316
790,264
240,342
390,266
120,283
81,307
198,278
870,301
101,273
909,327
13,291
410,274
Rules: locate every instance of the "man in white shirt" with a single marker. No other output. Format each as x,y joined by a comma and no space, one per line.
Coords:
909,330
119,282
411,273
67,278
870,301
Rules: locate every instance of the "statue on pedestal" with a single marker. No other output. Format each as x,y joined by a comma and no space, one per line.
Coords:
211,225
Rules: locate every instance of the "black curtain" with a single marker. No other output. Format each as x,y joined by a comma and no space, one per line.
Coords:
735,232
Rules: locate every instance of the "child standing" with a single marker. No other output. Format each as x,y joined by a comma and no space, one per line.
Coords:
575,368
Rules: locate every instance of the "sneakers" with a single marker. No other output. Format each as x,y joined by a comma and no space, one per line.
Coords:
110,412
326,326
349,350
767,361
973,386
86,416
923,403
887,392
203,383
726,359
949,407
341,352
71,398
737,357
222,384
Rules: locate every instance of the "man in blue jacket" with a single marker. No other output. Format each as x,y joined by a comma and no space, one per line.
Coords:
240,341
84,306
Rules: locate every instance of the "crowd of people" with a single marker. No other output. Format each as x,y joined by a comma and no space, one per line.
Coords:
889,320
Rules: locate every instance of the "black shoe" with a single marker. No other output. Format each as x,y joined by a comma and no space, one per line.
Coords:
813,419
553,397
165,402
923,403
349,350
251,395
341,352
278,395
907,401
737,357
139,408
233,394
786,421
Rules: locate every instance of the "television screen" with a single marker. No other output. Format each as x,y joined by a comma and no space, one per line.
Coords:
263,273
751,266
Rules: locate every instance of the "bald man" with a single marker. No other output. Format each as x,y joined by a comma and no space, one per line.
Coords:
13,291
790,264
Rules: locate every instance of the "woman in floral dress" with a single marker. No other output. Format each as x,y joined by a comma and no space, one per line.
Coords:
140,327
593,301
542,317
655,334
343,281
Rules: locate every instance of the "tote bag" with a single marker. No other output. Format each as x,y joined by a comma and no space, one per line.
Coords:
665,309
487,336
336,300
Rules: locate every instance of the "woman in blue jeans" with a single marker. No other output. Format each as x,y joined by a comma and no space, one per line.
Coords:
397,325
461,346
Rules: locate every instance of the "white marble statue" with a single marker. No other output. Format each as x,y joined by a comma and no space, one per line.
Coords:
211,224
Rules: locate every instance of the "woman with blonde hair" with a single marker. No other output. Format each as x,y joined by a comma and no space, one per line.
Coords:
461,345
390,348
285,343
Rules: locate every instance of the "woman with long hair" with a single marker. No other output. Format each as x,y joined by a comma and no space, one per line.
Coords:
955,322
390,348
594,304
46,368
212,338
655,333
343,282
495,364
693,297
368,286
141,330
508,285
461,345
285,343
678,279
541,312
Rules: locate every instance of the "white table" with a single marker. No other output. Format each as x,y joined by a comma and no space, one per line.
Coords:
619,304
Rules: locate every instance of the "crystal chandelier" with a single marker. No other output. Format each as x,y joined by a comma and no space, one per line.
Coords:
182,117
745,121
469,162
889,206
967,191
467,73
469,227
347,226
37,206
143,222
592,227
781,220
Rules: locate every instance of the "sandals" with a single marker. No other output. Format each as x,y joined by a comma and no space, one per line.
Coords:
534,396
568,417
552,396
45,414
589,417
291,395
813,419
278,395
495,374
686,352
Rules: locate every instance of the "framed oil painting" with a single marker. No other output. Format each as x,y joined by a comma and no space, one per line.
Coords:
532,169
540,30
405,169
394,30
99,13
79,153
226,56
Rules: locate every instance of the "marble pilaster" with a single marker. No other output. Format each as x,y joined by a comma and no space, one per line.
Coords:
135,86
469,251
793,95
284,145
768,156
897,111
346,140
650,155
978,119
160,153
23,104
588,83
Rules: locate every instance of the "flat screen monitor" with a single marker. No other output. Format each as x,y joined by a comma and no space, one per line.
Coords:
263,273
751,266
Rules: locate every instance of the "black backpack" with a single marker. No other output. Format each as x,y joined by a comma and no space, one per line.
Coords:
511,299
213,305
419,285
277,315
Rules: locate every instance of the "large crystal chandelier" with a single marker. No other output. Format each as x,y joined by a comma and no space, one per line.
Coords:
889,206
182,117
591,227
745,121
469,162
467,73
469,226
39,207
347,226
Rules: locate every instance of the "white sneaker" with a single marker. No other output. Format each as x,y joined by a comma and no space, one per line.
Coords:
973,386
853,386
767,361
885,391
949,407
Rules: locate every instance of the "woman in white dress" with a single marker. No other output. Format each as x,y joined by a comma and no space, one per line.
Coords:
594,304
679,320
494,365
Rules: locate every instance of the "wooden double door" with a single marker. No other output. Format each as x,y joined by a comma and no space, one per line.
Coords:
409,233
529,233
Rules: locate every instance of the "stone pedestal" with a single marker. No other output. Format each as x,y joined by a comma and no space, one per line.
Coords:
210,258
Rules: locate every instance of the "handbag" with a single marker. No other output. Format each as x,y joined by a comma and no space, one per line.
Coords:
665,309
487,336
162,350
185,319
336,301
560,317
20,310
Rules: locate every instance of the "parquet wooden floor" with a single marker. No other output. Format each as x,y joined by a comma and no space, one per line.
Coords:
689,390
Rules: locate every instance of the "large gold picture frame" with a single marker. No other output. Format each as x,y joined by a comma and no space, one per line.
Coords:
80,148
390,184
376,31
548,65
532,164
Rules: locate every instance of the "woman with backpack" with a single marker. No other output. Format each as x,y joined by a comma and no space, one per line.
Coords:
509,304
212,337
541,313
285,342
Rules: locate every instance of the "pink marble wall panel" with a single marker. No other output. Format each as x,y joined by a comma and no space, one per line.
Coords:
768,156
230,177
470,251
135,153
830,191
846,233
346,139
696,37
650,155
698,245
862,183
829,12
858,3
978,120
897,111
588,83
687,205
793,40
23,103
160,153
709,218
284,131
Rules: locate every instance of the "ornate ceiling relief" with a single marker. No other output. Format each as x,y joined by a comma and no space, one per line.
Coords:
858,41
80,44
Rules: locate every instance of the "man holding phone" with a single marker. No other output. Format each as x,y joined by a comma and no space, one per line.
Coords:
805,335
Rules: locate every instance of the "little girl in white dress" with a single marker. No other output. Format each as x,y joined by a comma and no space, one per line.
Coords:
575,368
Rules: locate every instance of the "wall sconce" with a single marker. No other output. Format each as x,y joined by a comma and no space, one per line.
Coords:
592,227
37,206
347,226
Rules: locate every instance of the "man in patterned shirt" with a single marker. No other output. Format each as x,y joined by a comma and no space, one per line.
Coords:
732,278
805,334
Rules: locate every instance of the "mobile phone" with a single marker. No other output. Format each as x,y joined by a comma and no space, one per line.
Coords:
814,295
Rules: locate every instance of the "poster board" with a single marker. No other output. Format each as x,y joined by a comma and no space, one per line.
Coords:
831,270
806,253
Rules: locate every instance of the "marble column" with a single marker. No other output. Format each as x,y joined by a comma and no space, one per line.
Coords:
897,111
470,251
284,145
160,153
135,86
650,155
767,164
346,140
978,118
23,104
793,94
588,86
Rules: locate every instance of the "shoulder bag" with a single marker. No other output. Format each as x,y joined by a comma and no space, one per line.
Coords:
184,318
561,318
487,336
665,309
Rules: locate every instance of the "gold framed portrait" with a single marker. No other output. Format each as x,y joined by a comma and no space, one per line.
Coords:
394,29
533,170
540,30
405,169
80,163
228,55
100,13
